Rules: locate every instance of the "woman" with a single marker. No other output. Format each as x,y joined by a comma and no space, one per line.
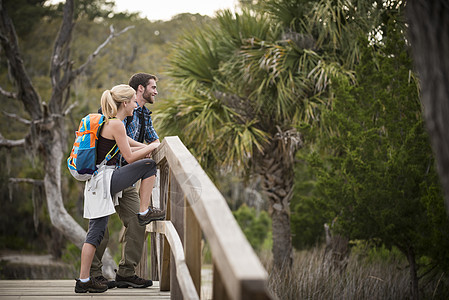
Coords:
116,105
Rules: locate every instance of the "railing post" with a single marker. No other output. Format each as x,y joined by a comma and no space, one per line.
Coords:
164,253
238,273
155,237
218,287
177,219
192,245
142,267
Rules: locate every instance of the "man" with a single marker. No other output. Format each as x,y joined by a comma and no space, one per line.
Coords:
139,128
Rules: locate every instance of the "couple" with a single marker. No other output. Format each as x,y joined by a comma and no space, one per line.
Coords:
124,103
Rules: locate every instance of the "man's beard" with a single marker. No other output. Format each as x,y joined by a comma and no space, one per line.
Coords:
147,96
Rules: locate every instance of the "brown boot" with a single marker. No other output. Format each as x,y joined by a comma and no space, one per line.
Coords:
132,281
110,283
92,286
153,214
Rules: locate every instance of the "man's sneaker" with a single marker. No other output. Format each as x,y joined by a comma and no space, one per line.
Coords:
132,281
153,214
110,283
92,286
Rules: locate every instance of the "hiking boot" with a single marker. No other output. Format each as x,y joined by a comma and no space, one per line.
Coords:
110,283
132,281
153,214
92,286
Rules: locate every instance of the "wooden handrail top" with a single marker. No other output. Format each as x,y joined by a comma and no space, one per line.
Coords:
185,280
233,255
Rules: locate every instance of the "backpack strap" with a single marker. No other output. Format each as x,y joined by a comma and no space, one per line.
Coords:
142,129
114,150
108,157
128,119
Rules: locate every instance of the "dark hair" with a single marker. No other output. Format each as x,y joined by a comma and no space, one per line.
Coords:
140,79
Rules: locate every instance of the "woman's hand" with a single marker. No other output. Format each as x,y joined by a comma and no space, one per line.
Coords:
153,147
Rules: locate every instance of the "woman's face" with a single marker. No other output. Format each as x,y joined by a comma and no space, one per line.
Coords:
131,105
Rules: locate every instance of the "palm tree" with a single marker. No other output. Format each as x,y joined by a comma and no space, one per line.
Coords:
240,100
247,83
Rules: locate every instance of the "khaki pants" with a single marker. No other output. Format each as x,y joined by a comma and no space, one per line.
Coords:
134,236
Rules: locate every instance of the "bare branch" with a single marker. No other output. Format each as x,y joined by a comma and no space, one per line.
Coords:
11,143
8,94
60,65
69,109
25,89
26,180
112,35
18,118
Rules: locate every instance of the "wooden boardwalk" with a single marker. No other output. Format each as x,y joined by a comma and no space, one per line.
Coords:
194,209
65,289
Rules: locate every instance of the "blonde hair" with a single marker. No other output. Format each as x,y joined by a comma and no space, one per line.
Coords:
113,98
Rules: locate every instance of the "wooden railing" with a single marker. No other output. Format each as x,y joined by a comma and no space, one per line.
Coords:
195,209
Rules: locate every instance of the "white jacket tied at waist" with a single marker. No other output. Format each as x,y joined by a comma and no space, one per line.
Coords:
98,201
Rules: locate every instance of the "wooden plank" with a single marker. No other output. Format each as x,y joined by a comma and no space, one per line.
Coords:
183,276
218,287
159,227
184,280
64,289
142,266
177,220
164,252
165,265
192,245
154,237
154,254
234,257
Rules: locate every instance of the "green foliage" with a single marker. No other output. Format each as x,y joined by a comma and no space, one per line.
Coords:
290,13
255,226
206,253
307,222
238,83
93,9
72,255
379,177
372,253
27,14
142,49
308,212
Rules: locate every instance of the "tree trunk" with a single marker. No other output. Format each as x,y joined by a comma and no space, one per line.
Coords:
278,188
52,151
48,125
282,241
52,148
414,288
337,249
429,36
276,167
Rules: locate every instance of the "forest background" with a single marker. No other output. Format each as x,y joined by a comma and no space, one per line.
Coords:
333,78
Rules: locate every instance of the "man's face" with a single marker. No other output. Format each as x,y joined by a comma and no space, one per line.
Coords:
150,91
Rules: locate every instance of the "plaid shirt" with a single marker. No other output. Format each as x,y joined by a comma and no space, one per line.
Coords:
133,129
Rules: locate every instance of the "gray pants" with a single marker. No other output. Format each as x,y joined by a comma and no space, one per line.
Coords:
97,228
134,235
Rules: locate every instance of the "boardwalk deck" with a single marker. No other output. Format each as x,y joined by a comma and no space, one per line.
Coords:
64,289
194,208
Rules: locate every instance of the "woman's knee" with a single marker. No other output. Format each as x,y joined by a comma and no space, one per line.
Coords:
149,162
150,168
